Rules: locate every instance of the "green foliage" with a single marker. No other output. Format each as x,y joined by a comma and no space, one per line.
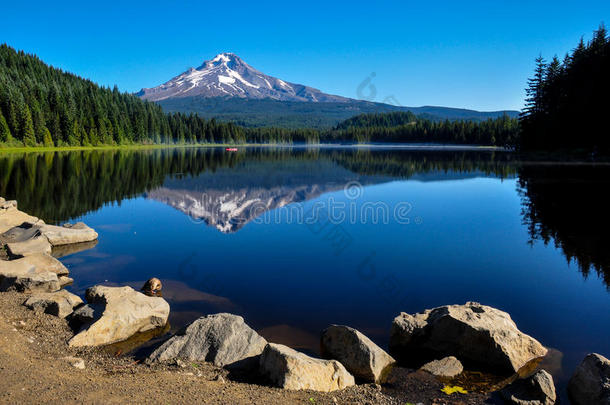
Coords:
47,140
401,127
567,102
27,127
35,97
5,132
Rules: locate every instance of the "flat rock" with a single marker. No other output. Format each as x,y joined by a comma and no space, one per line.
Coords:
42,261
21,232
33,246
448,367
28,275
360,356
68,234
537,389
590,383
119,313
289,369
476,333
60,303
223,339
10,216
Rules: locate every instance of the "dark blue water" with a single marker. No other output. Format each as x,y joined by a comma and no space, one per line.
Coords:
239,237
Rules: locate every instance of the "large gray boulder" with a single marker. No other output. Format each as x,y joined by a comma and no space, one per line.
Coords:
590,383
223,339
37,273
472,332
447,367
60,303
538,389
119,313
68,234
360,356
289,369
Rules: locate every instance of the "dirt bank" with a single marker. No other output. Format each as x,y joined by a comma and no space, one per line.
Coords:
32,370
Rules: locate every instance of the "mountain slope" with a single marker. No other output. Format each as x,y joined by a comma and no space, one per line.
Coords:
227,75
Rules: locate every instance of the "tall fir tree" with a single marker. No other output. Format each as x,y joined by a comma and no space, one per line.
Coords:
5,132
27,127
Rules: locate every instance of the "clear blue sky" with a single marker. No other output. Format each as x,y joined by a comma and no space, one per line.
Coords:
471,54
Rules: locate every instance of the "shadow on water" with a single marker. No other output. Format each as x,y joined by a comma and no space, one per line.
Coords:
567,205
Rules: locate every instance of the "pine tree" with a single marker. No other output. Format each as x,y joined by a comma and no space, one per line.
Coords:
27,127
47,138
5,132
534,88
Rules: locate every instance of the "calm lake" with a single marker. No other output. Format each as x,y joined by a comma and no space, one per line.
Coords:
297,239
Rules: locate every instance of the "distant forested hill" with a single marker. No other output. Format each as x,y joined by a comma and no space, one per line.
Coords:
42,105
402,127
293,114
568,101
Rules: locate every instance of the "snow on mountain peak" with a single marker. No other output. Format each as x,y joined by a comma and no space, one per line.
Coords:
227,75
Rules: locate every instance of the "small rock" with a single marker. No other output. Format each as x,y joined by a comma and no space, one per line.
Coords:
220,379
60,303
181,364
152,287
289,369
75,362
447,367
360,356
590,383
537,389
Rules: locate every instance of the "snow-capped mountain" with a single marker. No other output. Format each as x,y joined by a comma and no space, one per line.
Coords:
227,75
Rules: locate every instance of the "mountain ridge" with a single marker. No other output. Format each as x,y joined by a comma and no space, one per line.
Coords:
227,75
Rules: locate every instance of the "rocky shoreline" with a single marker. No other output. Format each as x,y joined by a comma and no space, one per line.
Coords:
429,352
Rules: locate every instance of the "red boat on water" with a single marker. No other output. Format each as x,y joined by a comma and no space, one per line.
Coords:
231,149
